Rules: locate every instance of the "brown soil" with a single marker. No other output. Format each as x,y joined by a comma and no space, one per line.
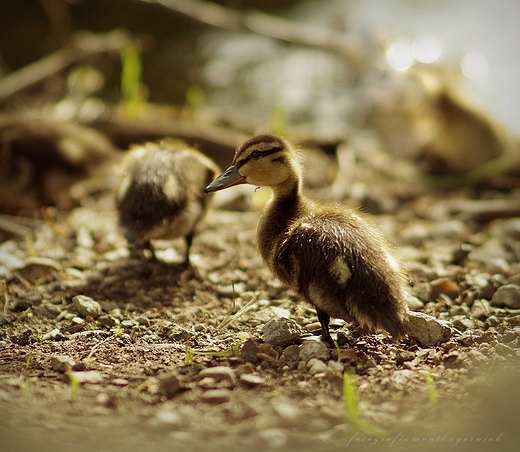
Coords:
162,325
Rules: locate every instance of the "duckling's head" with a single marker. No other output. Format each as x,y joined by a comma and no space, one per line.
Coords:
264,160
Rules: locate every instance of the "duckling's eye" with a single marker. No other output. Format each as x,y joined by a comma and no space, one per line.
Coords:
256,155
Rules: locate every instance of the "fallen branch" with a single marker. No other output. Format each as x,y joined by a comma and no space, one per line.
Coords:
217,142
18,225
83,45
348,45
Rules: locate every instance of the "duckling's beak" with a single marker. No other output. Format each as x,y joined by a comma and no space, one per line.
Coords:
227,179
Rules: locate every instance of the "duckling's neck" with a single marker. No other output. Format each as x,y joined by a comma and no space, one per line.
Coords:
286,204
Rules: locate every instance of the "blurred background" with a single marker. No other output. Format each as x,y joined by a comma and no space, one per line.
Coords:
475,40
414,87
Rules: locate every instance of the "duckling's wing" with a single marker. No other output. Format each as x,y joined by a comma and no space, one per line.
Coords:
343,266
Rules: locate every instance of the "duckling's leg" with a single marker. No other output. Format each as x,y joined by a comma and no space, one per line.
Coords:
148,246
187,263
324,319
189,240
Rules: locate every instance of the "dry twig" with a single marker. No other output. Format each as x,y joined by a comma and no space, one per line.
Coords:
83,45
349,46
230,319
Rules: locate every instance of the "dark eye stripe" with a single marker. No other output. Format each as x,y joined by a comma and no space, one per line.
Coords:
263,153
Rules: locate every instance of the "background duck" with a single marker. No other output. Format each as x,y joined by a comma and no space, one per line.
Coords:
329,255
160,193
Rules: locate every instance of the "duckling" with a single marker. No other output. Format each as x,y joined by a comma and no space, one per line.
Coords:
160,193
42,159
329,255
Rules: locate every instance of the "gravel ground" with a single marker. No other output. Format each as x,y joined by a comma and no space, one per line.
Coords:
101,351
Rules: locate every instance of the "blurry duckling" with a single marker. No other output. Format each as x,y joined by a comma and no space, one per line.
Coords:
160,193
328,255
42,159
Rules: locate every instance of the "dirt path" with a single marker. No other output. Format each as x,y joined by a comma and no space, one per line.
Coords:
156,366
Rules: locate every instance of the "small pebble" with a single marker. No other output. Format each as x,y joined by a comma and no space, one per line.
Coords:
207,383
286,409
312,327
252,380
507,296
316,366
342,338
129,324
107,320
216,396
62,363
86,306
427,329
463,323
169,384
444,286
504,350
249,351
219,373
274,437
178,333
336,367
281,331
348,354
314,349
509,227
467,339
514,279
48,310
476,356
20,305
486,337
166,419
291,354
54,335
370,363
414,303
492,321
89,376
199,327
509,336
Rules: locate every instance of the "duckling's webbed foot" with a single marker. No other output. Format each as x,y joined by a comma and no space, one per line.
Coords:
324,319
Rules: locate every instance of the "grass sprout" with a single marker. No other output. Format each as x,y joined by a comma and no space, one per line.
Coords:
195,97
433,394
351,405
132,90
279,120
75,384
28,361
234,350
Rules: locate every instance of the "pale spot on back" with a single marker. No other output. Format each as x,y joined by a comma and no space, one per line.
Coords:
171,188
340,270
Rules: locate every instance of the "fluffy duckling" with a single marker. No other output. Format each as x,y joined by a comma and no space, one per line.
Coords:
40,160
328,255
160,193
